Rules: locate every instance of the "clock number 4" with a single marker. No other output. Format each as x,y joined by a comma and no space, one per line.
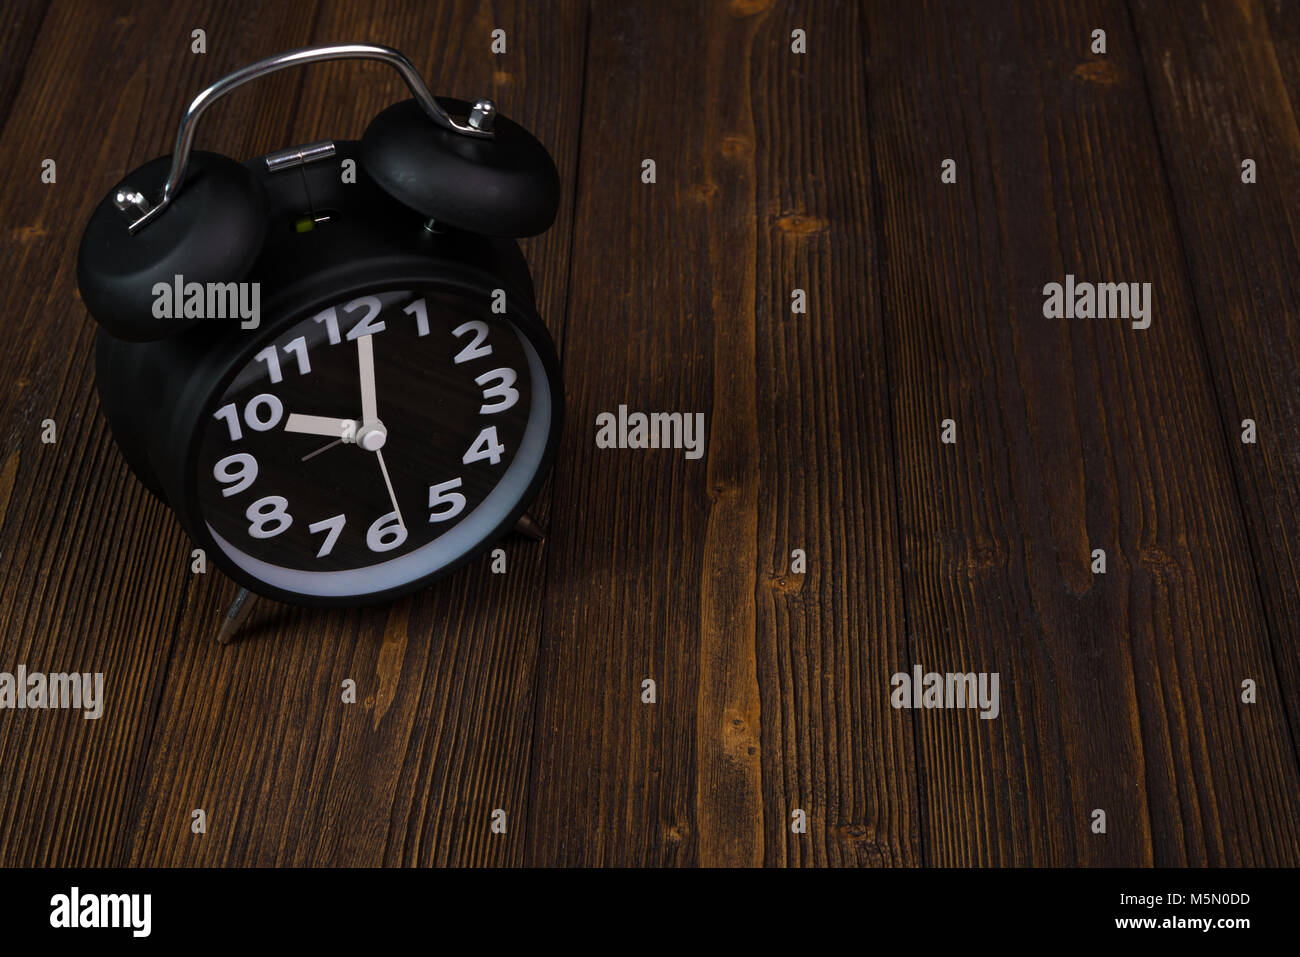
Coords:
486,446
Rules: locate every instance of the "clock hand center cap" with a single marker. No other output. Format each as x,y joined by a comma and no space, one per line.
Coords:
372,437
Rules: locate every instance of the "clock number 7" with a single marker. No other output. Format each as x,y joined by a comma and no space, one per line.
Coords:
333,527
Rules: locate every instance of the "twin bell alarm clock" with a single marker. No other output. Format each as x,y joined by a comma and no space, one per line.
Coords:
327,361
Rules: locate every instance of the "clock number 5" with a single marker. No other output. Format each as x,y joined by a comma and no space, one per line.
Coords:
444,504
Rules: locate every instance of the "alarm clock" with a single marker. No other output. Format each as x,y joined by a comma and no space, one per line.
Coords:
328,361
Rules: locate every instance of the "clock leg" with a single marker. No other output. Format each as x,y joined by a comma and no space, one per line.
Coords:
529,529
235,616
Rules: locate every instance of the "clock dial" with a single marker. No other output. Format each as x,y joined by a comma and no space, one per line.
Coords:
373,443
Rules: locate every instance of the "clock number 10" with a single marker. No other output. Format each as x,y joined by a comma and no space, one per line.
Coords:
262,414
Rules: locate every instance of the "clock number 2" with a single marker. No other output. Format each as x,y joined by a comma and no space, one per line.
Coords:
477,347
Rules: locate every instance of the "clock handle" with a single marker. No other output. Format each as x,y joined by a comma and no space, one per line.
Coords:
478,125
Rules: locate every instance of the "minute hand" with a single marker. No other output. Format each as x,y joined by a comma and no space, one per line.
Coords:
366,359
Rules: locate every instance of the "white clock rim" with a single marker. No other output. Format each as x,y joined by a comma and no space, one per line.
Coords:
431,557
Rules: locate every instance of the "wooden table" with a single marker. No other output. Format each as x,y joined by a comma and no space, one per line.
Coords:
775,171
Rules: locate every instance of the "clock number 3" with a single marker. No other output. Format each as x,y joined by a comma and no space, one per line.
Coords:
503,390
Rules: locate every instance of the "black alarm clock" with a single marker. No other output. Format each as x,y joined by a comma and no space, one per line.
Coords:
328,361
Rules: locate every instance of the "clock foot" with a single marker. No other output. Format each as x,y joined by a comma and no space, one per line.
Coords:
235,616
529,529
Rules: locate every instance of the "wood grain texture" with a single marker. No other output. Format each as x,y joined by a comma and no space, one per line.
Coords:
1222,92
441,738
1120,691
775,171
22,24
772,686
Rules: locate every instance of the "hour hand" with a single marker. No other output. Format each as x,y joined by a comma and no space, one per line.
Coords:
343,429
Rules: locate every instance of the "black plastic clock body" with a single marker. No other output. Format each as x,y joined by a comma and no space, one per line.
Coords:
399,402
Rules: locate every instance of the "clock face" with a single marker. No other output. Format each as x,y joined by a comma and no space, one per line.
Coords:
373,444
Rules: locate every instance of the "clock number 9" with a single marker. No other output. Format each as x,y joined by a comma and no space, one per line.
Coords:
240,468
270,510
252,415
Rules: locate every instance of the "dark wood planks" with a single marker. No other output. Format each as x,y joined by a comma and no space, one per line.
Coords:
1224,91
95,575
22,23
257,735
1118,692
772,687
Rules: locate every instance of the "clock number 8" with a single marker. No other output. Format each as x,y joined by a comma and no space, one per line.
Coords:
268,511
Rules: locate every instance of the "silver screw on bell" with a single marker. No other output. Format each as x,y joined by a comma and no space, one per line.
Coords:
483,115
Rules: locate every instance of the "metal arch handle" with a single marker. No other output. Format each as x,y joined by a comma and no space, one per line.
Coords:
479,124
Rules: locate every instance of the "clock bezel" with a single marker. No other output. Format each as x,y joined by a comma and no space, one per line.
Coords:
198,403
